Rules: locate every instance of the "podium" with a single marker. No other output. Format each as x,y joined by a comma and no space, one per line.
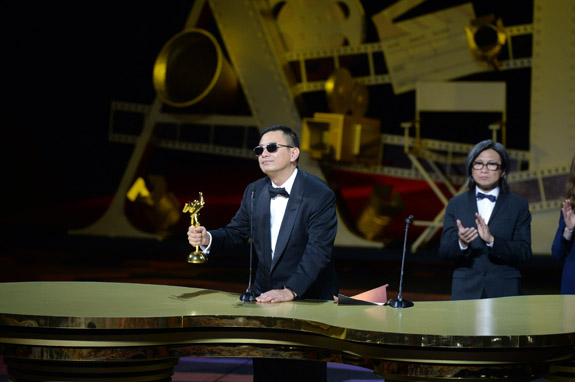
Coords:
122,332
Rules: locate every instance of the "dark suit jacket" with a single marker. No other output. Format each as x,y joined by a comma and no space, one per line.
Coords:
303,253
564,250
482,271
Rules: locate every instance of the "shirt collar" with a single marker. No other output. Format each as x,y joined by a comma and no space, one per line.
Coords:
494,192
288,184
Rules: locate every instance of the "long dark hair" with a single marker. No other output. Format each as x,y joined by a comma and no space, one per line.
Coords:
571,184
478,149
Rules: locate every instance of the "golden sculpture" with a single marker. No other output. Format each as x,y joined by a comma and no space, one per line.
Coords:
196,257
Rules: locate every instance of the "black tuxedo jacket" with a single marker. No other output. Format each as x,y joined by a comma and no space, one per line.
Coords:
303,254
483,271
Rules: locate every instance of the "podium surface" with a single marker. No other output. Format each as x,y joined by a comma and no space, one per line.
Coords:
121,331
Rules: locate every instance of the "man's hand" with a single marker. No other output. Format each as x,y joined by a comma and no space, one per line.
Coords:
466,235
276,295
198,236
568,215
483,229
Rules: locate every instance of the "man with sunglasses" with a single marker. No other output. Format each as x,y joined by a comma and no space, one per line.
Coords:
292,219
487,230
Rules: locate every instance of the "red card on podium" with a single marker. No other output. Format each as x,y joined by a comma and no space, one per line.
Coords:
376,296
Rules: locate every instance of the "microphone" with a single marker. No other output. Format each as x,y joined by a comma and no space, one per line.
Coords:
249,296
400,302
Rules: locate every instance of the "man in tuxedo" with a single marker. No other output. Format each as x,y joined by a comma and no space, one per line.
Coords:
292,218
487,230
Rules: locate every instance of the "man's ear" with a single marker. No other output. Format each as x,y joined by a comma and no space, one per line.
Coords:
295,154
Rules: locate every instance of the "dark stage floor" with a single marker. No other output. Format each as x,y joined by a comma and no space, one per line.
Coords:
240,370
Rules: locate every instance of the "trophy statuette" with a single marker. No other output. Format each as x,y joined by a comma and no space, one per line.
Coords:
196,257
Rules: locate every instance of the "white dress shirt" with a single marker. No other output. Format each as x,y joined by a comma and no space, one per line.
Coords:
278,208
485,206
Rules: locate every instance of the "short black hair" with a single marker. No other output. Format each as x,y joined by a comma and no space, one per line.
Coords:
478,149
290,135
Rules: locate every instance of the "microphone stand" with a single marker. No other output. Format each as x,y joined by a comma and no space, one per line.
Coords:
249,296
400,302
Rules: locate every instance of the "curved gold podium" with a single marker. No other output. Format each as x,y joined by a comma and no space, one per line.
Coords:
92,331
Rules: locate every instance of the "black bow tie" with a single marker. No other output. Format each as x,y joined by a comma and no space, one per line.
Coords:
480,196
275,191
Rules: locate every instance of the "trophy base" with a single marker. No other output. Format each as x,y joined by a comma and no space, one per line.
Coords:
197,258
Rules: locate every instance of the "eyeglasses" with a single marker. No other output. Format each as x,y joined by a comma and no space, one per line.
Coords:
491,166
270,147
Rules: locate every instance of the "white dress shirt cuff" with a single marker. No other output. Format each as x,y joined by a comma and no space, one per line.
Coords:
206,248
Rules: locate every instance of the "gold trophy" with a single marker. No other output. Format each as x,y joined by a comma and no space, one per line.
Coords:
196,257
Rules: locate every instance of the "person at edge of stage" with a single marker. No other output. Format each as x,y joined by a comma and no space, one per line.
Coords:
294,221
563,247
486,230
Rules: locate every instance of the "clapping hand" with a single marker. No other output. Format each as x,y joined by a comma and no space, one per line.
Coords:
568,215
466,235
483,229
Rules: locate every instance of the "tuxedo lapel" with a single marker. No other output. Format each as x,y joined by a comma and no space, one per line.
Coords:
499,204
289,220
472,200
262,227
472,203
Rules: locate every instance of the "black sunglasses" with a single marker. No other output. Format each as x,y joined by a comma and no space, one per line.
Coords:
270,147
